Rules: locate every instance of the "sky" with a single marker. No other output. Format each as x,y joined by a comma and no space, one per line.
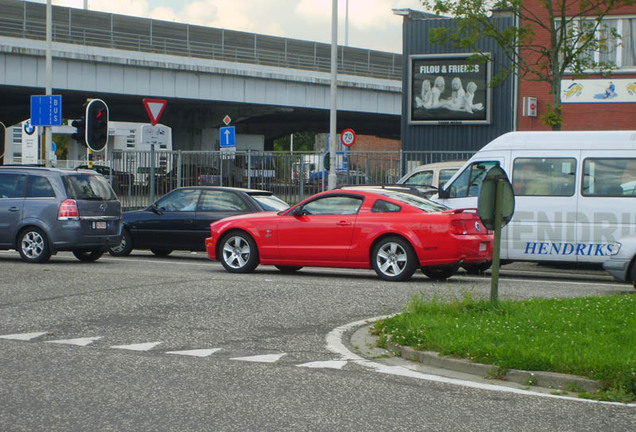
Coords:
371,24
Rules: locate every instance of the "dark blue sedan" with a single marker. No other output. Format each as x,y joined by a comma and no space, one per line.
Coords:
180,220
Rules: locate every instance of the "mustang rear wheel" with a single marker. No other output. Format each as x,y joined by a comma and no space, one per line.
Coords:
238,252
393,259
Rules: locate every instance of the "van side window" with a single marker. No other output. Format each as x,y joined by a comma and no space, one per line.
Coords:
543,176
468,183
609,177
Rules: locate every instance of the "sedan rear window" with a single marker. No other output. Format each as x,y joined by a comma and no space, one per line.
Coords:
270,202
85,186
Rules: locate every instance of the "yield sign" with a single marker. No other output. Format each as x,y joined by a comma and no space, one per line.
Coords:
154,108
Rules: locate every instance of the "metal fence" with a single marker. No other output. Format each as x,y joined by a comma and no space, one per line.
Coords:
140,177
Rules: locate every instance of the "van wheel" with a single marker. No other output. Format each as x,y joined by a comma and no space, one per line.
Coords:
88,255
439,273
33,245
474,269
125,246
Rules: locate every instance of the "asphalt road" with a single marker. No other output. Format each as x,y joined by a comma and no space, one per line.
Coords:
149,344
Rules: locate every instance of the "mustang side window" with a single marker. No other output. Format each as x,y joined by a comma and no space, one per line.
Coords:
333,205
381,206
609,177
543,176
468,183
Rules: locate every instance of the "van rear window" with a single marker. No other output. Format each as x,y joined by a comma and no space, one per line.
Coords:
609,177
543,176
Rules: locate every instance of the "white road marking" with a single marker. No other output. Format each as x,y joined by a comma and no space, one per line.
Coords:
138,347
77,341
196,352
265,358
23,336
328,364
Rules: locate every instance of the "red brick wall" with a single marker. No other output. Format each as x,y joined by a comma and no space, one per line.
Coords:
579,116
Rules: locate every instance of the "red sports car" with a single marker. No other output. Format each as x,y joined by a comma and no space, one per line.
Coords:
390,231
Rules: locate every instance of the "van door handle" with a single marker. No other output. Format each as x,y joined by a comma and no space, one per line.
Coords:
14,209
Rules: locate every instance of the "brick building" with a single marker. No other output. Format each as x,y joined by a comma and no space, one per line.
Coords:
586,106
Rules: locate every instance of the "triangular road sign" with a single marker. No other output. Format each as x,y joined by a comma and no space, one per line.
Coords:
154,108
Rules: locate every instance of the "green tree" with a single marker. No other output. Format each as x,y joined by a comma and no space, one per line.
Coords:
303,141
575,31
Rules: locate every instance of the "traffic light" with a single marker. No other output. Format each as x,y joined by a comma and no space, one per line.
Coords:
80,130
96,125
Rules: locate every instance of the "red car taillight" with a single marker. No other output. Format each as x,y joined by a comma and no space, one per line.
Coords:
459,226
68,210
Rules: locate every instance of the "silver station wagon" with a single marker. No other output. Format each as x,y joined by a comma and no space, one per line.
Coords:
47,210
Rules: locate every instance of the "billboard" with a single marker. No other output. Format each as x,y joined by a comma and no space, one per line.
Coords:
449,89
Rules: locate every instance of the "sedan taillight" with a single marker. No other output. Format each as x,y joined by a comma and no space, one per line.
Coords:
68,210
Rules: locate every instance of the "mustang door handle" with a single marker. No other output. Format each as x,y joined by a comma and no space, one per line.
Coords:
343,223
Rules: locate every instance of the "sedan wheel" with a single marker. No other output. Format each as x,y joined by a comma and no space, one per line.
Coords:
88,255
125,246
288,269
238,253
34,246
394,259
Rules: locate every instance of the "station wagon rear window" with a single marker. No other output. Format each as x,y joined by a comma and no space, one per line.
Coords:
84,186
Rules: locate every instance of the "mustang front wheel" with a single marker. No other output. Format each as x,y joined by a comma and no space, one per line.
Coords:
394,259
238,253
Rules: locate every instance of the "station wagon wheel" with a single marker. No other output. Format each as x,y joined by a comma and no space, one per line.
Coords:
89,255
238,253
33,245
439,273
393,259
125,246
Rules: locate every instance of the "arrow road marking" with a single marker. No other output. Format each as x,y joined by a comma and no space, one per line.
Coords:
196,352
329,364
77,341
265,358
138,347
23,336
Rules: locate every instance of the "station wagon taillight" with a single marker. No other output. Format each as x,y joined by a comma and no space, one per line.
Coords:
68,210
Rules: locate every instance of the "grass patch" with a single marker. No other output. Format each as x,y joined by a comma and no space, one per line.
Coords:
592,337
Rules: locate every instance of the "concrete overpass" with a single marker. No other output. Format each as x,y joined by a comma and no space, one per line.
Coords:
269,86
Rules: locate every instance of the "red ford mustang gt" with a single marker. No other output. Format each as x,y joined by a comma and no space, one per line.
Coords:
390,231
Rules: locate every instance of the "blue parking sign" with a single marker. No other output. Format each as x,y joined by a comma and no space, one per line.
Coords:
46,110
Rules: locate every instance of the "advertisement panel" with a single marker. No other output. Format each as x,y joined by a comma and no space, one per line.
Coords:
449,89
599,90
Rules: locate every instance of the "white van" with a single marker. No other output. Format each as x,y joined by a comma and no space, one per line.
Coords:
575,193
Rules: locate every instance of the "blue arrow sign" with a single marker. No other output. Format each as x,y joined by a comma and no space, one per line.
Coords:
46,110
227,136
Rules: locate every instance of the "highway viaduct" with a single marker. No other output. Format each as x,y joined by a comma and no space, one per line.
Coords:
268,85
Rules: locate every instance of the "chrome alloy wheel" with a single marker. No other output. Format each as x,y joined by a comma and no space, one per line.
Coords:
32,245
236,252
391,259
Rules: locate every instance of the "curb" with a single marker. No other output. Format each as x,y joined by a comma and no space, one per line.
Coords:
366,344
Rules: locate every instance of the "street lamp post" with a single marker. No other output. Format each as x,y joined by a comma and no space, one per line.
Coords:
334,100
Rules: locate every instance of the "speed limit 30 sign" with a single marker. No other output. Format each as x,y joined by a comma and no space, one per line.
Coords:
348,137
